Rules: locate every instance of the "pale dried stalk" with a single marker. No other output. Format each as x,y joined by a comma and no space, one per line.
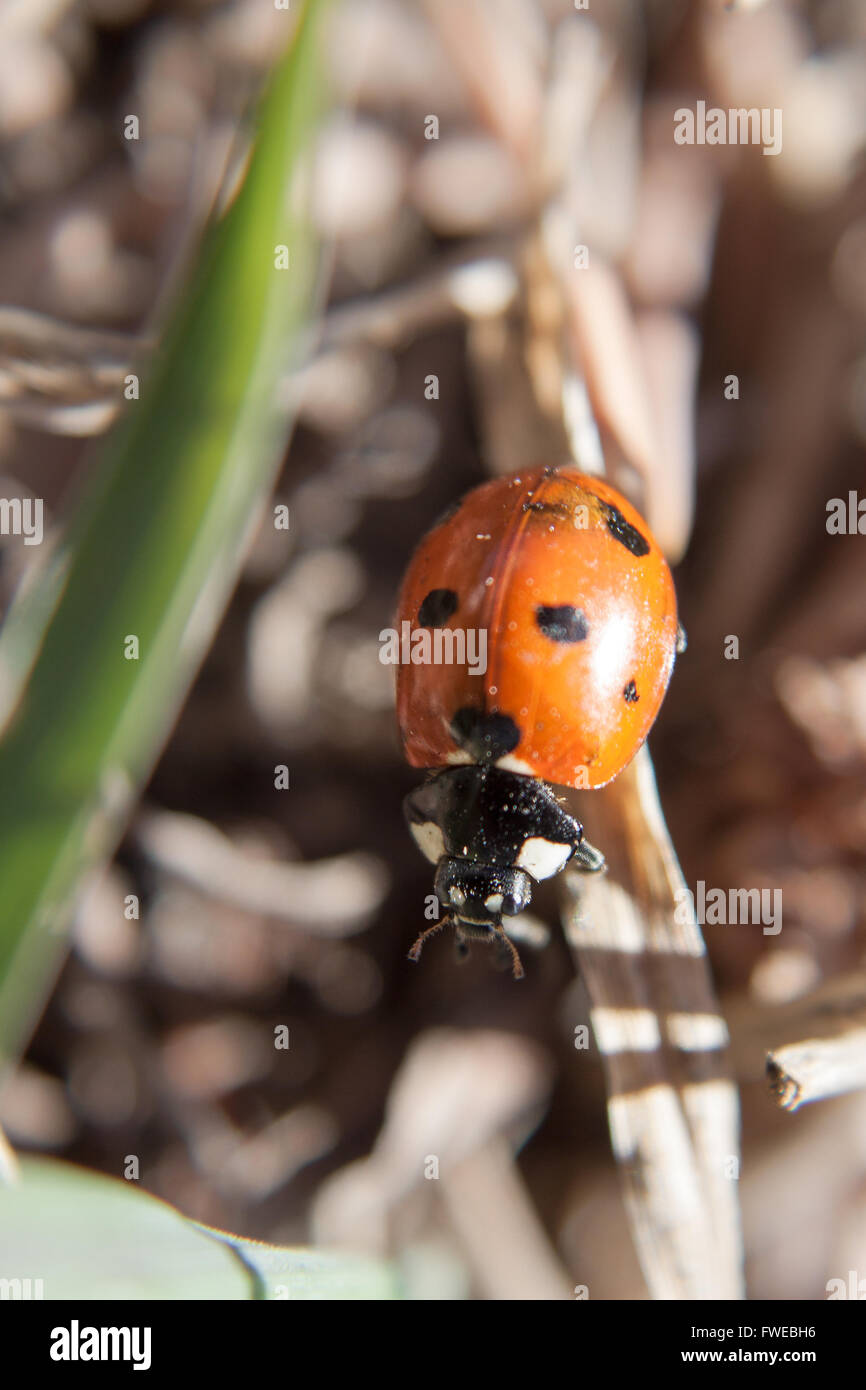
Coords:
814,1047
332,897
465,286
467,1099
606,348
818,1068
515,432
670,350
506,87
672,1109
69,380
499,1228
60,376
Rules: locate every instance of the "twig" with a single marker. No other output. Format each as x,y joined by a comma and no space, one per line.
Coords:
461,1103
506,89
60,376
817,1068
672,1110
814,1046
500,1230
69,380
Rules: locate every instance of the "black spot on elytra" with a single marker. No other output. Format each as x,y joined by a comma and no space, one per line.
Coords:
630,694
624,532
437,608
486,736
563,623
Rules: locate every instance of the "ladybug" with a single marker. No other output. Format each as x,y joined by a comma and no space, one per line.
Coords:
567,613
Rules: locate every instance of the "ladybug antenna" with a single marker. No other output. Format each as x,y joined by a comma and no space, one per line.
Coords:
446,921
496,934
491,936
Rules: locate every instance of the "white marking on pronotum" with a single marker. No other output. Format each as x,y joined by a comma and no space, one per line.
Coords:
625,1030
542,858
508,763
429,839
512,764
696,1032
494,902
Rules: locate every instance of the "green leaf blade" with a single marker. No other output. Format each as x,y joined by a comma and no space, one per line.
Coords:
153,550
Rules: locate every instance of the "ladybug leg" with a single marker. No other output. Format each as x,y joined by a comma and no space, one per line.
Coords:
415,953
504,942
461,946
587,858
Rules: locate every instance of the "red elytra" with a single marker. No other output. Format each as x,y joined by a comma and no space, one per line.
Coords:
578,606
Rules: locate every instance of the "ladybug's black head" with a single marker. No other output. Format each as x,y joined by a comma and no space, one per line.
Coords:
481,894
475,897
